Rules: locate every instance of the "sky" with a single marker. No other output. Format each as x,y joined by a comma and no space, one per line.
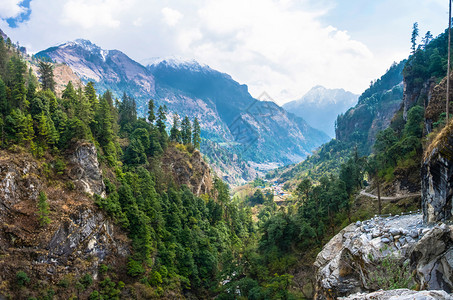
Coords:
281,47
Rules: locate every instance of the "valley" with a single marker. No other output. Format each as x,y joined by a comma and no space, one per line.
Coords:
239,133
170,181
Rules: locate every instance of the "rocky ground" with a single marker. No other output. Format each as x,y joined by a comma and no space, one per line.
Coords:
352,261
401,294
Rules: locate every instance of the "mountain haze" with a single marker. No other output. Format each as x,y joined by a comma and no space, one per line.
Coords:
321,106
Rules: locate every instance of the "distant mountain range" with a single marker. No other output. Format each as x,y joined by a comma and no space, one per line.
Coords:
259,132
320,107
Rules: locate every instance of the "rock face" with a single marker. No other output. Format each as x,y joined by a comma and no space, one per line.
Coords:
401,294
436,102
374,110
78,238
437,178
190,170
85,170
346,264
432,258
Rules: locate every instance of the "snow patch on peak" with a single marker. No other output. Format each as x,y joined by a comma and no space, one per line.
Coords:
175,62
85,44
104,54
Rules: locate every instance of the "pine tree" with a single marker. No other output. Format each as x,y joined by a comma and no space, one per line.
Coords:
90,93
69,97
161,118
5,106
186,131
83,108
43,209
160,123
414,37
427,38
151,115
91,96
47,78
175,133
196,139
127,113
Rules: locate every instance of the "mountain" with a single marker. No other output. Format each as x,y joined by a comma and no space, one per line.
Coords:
260,130
320,107
255,131
109,69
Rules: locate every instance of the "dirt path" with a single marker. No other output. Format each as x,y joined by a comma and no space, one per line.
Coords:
363,193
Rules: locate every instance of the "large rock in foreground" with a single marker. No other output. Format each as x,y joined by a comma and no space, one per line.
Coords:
352,261
401,294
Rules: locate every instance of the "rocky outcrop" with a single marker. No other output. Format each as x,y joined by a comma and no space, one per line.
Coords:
401,294
437,178
413,93
436,103
85,171
348,262
432,259
189,169
77,240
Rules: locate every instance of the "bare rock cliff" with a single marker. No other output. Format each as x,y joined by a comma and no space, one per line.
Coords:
84,169
189,169
437,178
79,236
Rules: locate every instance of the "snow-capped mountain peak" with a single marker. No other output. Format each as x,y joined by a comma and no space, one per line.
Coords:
175,62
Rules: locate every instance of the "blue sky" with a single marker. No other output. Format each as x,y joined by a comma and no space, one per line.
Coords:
283,47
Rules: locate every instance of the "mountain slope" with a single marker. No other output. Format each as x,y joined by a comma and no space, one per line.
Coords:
374,110
255,131
320,107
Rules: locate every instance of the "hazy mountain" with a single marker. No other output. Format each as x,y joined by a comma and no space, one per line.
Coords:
253,130
320,107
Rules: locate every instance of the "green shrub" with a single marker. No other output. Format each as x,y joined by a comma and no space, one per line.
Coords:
86,280
43,209
390,273
155,279
134,268
59,167
22,278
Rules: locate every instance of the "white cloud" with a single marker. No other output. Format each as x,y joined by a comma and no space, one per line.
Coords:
283,47
10,8
171,16
276,48
92,13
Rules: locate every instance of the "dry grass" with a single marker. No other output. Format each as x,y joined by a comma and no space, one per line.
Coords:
440,143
